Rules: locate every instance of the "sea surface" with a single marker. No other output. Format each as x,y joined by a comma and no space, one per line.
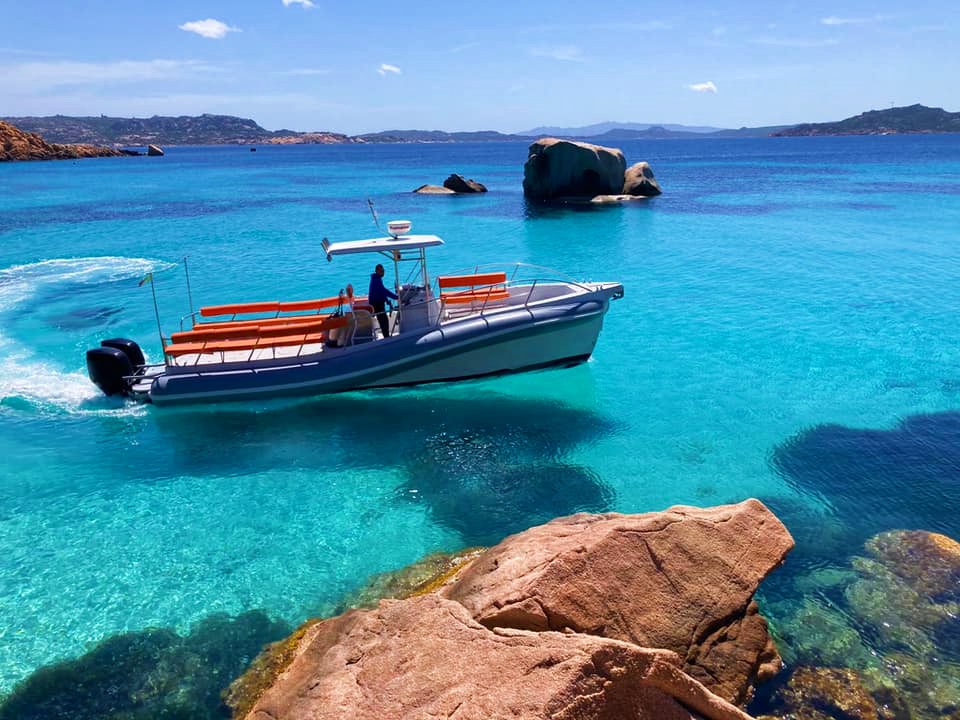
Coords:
789,332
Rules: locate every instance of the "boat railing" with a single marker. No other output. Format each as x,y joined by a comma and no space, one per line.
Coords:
540,273
483,298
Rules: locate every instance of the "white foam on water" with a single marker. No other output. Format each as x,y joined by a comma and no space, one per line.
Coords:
41,384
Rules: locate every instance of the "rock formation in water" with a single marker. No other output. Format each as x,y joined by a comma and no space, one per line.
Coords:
564,171
460,184
589,616
454,185
639,180
15,144
154,151
434,190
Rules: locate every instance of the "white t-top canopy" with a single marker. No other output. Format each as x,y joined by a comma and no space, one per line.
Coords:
386,244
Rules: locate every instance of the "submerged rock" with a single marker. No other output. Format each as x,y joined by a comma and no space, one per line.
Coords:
426,657
928,562
815,693
682,580
153,673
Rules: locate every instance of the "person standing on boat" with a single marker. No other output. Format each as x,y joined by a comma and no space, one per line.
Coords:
377,297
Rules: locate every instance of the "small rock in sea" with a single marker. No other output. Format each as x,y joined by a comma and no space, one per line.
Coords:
434,190
154,151
639,180
460,184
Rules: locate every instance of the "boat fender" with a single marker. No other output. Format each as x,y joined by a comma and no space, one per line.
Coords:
108,369
128,348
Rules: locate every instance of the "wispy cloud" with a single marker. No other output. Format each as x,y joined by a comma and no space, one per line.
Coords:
209,28
563,53
40,76
304,72
703,87
834,20
304,3
796,42
386,69
465,46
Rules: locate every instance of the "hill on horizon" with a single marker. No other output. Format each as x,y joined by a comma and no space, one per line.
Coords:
907,119
603,128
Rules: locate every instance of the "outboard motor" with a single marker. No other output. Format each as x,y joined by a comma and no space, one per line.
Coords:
112,363
129,348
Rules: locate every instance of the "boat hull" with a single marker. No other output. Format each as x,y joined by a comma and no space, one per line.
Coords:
523,339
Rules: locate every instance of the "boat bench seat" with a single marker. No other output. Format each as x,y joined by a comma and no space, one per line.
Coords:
483,287
253,337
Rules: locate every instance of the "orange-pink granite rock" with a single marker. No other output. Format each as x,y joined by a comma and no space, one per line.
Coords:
682,580
427,658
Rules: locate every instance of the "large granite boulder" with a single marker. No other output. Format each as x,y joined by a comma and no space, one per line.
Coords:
682,580
459,184
557,169
639,180
427,658
15,144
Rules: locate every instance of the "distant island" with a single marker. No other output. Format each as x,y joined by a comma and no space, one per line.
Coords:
893,121
229,130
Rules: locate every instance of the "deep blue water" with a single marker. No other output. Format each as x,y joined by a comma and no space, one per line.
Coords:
789,332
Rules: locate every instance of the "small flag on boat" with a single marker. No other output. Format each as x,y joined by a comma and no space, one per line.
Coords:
146,278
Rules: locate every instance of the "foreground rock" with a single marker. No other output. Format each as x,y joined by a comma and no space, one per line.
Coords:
427,658
557,169
15,144
682,580
459,184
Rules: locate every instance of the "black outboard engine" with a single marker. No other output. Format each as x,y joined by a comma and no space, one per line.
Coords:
111,364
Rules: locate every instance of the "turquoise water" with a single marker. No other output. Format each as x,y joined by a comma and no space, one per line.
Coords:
783,297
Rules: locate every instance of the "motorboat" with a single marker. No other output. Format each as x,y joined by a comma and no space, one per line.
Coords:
485,321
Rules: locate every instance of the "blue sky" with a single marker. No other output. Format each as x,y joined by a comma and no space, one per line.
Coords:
359,67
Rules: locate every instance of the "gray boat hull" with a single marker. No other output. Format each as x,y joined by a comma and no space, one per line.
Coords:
515,340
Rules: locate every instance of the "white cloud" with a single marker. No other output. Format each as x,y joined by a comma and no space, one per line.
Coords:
796,42
209,28
834,20
41,76
707,86
564,53
305,3
385,68
304,71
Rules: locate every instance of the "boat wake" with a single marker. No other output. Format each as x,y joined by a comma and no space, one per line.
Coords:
30,383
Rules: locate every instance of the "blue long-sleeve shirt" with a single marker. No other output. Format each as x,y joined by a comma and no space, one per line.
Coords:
378,293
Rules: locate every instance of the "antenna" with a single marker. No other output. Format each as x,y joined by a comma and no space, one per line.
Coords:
373,212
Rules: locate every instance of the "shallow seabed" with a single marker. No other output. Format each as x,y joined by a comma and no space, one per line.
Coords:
789,332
